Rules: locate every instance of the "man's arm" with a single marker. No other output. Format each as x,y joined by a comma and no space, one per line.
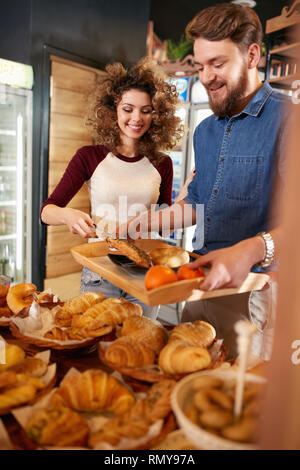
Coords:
230,266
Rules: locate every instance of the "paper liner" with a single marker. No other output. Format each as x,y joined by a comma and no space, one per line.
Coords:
157,433
40,320
153,373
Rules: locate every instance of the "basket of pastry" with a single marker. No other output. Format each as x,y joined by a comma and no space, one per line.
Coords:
23,379
95,410
15,301
204,407
78,323
145,351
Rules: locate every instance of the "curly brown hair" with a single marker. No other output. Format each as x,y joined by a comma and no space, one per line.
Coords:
165,129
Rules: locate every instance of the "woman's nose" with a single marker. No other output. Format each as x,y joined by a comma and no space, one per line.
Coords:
136,115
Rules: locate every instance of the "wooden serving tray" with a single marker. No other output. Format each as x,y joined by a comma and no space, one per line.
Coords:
94,257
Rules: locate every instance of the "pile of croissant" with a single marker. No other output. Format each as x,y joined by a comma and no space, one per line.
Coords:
90,315
20,378
62,423
143,343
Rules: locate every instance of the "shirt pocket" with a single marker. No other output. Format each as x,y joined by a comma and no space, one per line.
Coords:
244,177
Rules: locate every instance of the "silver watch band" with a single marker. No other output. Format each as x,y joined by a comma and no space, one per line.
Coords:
270,250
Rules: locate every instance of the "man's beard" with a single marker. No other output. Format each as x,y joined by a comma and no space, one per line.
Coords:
232,101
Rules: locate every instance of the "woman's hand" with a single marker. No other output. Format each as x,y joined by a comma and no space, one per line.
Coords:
230,266
79,222
184,190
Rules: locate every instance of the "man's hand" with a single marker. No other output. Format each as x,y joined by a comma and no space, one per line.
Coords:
230,266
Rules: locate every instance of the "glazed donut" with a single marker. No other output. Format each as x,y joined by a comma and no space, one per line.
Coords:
172,256
20,297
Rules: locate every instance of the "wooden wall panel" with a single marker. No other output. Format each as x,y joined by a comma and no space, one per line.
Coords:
70,87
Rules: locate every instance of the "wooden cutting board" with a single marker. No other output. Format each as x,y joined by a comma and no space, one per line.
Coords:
94,257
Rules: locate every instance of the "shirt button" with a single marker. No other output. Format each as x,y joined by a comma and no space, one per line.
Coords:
222,159
208,219
228,129
215,191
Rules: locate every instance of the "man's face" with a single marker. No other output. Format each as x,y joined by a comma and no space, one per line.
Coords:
223,70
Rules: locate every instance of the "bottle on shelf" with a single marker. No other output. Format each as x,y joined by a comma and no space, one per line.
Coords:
2,222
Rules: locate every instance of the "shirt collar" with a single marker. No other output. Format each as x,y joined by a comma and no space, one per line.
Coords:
256,104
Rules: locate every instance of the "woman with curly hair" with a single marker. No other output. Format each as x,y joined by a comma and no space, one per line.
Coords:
133,121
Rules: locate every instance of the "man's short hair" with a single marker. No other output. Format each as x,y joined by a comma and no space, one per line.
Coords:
227,21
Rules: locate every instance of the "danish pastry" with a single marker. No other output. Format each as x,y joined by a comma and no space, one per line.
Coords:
20,297
59,426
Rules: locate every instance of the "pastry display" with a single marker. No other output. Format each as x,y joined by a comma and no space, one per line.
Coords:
136,422
129,352
145,330
129,249
77,305
93,390
197,333
172,256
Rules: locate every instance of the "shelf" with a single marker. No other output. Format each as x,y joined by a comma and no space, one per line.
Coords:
291,50
287,80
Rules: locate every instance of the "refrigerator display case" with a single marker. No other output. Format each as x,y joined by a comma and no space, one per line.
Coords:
15,171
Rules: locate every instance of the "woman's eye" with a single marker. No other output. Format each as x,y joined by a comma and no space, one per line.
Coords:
127,110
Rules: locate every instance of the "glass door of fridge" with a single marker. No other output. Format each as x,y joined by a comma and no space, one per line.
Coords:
15,183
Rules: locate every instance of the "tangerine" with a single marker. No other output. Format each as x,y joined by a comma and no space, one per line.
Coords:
159,275
187,273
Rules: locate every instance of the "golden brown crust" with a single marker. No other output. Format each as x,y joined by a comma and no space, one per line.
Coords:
13,355
31,365
77,305
20,297
172,256
3,290
133,252
199,333
93,390
110,312
183,358
59,426
128,352
145,330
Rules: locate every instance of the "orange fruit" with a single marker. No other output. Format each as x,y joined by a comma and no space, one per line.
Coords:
158,276
187,273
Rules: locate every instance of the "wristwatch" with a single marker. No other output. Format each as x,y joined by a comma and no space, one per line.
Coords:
270,250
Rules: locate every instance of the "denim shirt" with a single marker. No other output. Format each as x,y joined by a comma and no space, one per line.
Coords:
236,161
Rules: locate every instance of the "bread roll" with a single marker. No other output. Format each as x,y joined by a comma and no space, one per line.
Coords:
145,330
180,358
172,256
199,333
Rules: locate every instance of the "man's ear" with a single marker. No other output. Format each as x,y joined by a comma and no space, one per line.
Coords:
253,55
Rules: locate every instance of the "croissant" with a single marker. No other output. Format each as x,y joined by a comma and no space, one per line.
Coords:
145,330
77,305
182,358
136,422
127,352
20,297
19,395
109,312
31,365
57,426
198,333
93,390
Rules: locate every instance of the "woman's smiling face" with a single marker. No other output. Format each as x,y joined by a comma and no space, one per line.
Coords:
134,113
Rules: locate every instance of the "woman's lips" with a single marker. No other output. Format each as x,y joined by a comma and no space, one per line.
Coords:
135,128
